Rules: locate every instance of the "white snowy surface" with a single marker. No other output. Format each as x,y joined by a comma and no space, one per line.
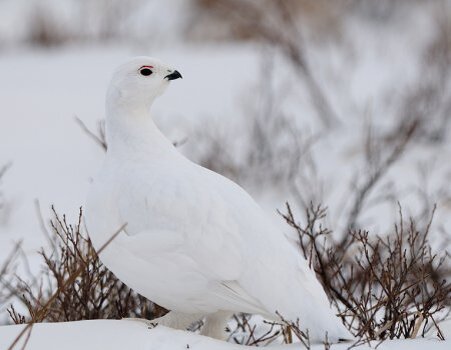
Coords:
130,335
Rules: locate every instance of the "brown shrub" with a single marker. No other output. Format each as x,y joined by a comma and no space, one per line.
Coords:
385,287
93,292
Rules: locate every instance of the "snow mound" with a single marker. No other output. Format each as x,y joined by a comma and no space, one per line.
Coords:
131,334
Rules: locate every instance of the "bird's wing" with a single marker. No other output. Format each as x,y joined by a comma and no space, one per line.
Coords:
201,282
186,220
195,218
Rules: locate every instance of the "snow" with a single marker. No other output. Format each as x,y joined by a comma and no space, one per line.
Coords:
130,334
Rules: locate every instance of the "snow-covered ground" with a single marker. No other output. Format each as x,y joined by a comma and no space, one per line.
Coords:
128,334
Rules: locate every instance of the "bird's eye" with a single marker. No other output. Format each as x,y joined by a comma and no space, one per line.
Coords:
145,71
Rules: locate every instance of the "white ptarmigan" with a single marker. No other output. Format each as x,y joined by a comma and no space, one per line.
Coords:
194,242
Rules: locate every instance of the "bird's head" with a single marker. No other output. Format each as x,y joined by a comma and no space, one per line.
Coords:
139,81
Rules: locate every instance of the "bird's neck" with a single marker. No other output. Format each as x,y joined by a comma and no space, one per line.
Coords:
131,130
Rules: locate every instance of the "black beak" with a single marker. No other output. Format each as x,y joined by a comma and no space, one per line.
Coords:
174,75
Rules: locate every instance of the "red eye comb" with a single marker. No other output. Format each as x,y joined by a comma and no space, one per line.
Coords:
146,67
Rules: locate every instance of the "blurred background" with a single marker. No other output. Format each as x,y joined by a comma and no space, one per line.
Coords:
345,103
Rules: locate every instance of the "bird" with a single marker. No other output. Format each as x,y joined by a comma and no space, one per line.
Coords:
188,238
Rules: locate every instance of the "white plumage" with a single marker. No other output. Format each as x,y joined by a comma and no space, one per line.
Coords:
194,242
